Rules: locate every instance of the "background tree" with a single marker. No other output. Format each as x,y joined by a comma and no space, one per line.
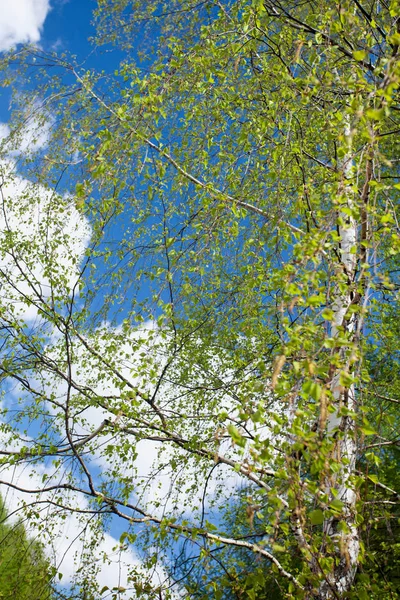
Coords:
25,573
240,177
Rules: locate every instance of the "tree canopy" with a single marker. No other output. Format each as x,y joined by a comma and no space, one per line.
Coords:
200,294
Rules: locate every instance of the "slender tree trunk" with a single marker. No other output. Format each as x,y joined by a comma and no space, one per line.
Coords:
346,543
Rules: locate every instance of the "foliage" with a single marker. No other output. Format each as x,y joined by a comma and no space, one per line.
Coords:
25,573
239,174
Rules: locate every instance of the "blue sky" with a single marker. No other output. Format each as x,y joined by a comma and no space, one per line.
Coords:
62,25
68,25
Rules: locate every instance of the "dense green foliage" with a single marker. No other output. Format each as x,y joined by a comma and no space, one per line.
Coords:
232,322
25,573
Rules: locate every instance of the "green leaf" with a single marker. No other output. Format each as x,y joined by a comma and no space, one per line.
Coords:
373,477
80,190
336,505
367,428
376,114
313,389
236,436
316,517
328,314
278,548
315,300
359,54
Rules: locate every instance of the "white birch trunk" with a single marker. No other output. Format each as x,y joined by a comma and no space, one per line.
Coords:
347,544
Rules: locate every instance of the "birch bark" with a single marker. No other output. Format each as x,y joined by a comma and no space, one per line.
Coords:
346,543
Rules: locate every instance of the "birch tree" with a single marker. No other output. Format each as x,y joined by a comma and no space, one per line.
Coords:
234,305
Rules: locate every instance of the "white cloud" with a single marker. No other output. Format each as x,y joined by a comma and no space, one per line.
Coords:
21,21
30,137
4,131
42,239
154,466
